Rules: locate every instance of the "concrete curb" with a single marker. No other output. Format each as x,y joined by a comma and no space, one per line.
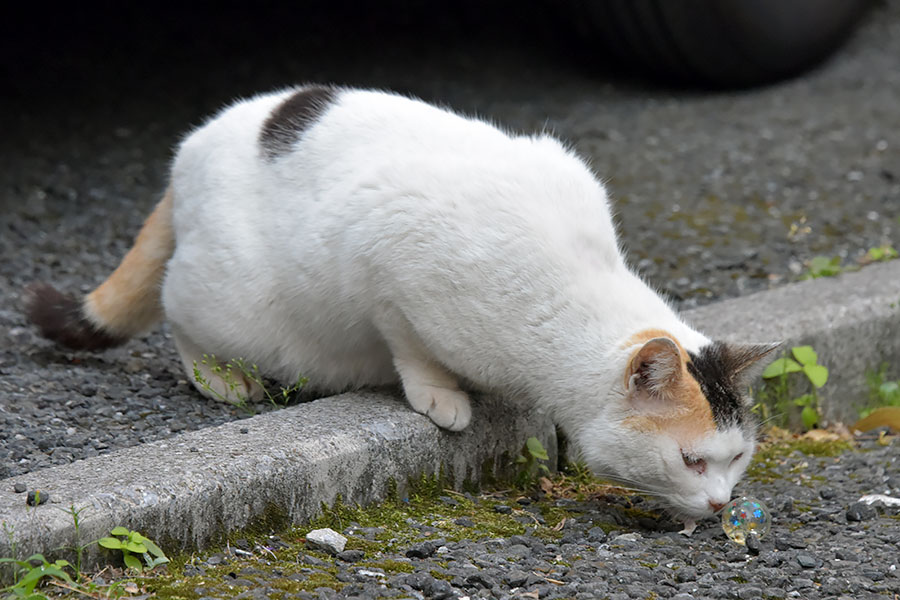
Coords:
191,489
271,469
852,321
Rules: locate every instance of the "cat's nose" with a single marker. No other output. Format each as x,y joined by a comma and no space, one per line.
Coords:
716,506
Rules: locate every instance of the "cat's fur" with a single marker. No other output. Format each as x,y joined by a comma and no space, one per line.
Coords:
361,238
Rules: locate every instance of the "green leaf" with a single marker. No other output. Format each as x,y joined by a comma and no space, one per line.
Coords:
153,548
805,355
120,530
135,547
779,367
804,400
137,537
822,266
887,389
132,562
810,417
153,563
111,543
31,579
817,374
536,449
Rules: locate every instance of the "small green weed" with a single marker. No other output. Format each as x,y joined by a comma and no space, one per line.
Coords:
776,392
531,462
882,391
881,253
132,543
78,547
248,371
822,266
28,576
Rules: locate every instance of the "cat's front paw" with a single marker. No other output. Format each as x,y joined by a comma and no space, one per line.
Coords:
450,409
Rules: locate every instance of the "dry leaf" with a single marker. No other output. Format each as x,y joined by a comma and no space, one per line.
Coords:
886,416
821,435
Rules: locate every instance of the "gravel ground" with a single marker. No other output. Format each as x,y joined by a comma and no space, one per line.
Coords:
717,194
824,543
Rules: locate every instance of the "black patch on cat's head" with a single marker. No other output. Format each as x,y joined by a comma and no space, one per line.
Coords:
294,116
716,369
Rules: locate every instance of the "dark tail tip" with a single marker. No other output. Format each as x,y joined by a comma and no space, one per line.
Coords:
61,318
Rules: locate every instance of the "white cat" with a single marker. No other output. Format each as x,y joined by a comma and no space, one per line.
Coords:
361,238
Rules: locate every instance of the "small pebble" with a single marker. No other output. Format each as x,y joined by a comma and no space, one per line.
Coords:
806,561
37,497
19,488
753,545
859,511
502,509
327,540
351,555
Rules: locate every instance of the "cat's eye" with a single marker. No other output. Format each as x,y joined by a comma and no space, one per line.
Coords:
694,463
737,457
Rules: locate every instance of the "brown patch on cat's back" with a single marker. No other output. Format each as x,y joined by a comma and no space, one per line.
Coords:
297,113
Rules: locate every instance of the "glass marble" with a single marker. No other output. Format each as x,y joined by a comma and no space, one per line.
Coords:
745,516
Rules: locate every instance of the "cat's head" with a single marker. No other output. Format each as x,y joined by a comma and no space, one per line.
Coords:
680,426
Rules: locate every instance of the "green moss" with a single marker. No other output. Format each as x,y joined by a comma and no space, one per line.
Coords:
637,513
273,518
820,448
310,582
439,575
767,460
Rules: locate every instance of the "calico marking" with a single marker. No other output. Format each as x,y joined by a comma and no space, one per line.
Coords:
689,414
645,335
714,368
292,117
124,305
61,318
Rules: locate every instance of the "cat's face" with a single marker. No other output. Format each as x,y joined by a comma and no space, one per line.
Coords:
683,432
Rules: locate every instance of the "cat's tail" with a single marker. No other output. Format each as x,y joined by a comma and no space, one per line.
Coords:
124,305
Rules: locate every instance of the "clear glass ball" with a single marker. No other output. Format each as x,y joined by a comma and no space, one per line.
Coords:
746,516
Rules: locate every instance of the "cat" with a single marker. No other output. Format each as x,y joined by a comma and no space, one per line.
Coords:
363,238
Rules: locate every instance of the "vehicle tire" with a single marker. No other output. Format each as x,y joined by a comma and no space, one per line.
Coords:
729,43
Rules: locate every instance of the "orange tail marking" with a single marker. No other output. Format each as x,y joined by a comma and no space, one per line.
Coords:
128,302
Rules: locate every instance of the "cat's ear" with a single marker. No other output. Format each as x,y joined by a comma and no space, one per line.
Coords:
654,371
743,361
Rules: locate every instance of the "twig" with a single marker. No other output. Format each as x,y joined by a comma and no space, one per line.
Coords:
548,579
